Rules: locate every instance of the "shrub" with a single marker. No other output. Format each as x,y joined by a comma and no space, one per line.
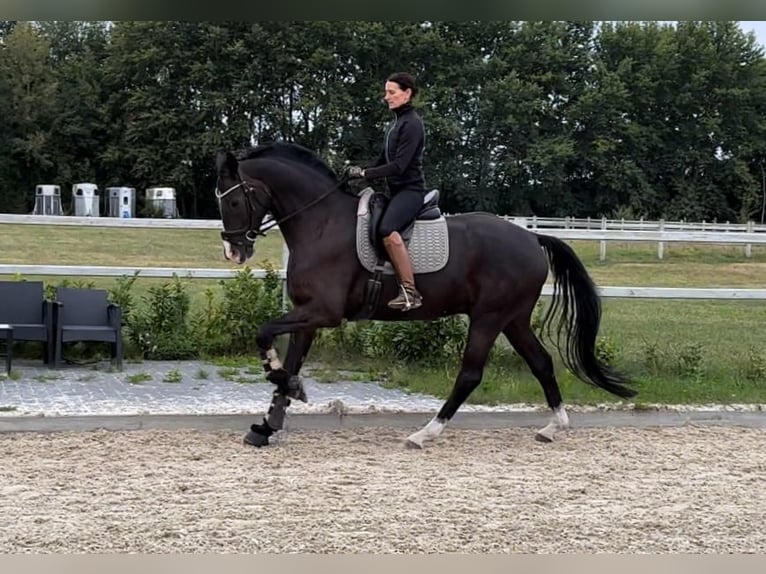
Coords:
160,329
607,350
230,325
754,366
405,341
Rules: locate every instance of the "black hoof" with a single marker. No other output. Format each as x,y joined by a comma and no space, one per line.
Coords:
256,439
542,438
258,435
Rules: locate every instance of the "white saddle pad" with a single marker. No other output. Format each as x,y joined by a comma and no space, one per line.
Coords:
428,247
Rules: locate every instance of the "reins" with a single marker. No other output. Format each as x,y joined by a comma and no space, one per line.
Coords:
249,190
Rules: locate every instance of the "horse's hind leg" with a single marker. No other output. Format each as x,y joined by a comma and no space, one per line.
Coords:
528,346
481,336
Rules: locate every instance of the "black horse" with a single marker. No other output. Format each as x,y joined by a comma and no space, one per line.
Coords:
494,274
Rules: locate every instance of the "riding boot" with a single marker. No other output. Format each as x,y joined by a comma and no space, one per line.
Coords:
409,297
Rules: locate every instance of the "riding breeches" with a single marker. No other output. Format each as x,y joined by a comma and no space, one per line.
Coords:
401,211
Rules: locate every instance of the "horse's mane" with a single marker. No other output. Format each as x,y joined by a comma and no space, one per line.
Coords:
288,151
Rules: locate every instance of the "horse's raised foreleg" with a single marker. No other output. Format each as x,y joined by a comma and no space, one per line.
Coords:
300,343
481,336
302,325
529,347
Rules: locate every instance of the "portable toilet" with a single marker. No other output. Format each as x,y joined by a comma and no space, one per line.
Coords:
47,200
122,202
85,199
162,201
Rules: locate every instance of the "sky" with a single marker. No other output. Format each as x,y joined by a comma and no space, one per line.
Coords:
757,26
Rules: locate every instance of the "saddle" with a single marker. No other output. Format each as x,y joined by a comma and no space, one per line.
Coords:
426,239
377,206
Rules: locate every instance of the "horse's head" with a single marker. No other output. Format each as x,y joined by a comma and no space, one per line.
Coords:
243,204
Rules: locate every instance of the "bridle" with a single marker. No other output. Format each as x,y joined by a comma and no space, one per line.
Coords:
248,235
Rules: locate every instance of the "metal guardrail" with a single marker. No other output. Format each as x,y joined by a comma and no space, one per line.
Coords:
137,222
746,238
106,271
532,222
200,273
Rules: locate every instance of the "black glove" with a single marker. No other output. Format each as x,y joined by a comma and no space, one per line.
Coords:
353,172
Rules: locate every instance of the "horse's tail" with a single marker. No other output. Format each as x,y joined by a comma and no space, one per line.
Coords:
578,306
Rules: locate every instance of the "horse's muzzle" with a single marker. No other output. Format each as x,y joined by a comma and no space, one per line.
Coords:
237,253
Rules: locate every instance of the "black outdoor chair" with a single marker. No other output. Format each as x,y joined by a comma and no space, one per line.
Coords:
23,306
87,315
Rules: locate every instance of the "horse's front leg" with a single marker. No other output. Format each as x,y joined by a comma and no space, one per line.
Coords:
290,386
301,323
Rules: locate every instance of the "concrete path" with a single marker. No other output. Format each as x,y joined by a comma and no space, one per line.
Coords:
330,421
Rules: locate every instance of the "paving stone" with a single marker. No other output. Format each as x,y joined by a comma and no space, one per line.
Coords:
34,389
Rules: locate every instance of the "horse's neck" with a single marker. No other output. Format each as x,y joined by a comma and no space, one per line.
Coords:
305,214
304,202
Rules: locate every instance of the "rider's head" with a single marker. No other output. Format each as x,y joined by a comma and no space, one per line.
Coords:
400,88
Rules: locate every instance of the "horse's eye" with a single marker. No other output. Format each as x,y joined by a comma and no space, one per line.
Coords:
235,204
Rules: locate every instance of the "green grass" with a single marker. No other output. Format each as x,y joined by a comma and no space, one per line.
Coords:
138,378
173,376
677,351
123,247
683,265
115,247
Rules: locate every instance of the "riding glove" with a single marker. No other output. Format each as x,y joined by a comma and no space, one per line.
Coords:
354,172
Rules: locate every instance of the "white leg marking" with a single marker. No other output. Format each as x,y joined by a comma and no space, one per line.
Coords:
428,432
559,421
273,358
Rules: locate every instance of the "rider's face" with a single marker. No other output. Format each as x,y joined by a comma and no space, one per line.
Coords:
395,96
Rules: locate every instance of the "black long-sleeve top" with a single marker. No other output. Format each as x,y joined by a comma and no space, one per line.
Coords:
401,162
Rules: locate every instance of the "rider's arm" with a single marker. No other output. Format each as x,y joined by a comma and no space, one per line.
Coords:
410,137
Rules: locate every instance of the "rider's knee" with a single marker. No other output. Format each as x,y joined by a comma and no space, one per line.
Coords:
393,238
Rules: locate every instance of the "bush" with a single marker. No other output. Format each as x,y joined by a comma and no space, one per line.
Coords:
160,329
405,341
607,350
230,325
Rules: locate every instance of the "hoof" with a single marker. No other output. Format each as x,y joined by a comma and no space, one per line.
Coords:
539,437
414,443
258,435
256,439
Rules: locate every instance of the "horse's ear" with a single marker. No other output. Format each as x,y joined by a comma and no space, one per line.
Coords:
226,163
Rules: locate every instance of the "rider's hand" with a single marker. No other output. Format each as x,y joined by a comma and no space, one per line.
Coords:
354,172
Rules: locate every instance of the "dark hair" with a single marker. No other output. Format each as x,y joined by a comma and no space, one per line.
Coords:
405,81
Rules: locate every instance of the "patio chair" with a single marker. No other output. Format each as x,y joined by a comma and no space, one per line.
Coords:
23,306
87,315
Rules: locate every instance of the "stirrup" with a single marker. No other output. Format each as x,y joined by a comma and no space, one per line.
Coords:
406,300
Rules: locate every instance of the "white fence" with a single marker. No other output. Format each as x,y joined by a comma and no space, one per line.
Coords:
564,228
601,230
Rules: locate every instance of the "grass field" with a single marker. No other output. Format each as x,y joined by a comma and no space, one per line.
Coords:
679,351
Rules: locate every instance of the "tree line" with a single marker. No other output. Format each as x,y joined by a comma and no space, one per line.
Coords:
552,118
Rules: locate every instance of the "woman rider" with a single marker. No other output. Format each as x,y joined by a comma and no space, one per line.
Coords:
401,164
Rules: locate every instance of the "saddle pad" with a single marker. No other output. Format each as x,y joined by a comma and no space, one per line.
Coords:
428,247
